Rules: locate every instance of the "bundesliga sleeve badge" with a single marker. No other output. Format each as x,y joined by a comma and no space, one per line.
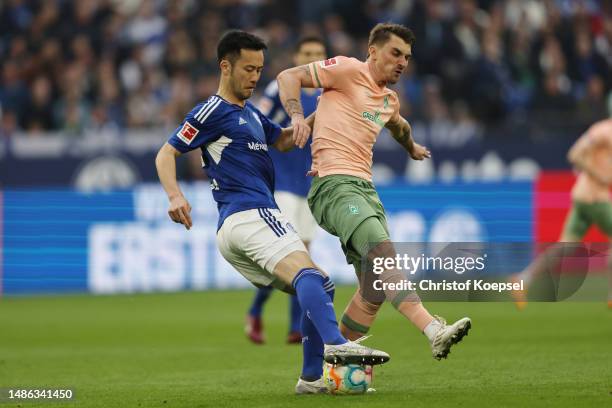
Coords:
330,62
187,133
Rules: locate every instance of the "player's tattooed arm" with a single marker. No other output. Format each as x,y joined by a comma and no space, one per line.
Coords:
290,81
402,132
293,106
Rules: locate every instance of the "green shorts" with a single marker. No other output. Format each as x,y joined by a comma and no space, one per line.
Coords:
583,215
340,204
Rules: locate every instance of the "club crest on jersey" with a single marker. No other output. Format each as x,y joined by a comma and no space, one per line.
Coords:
328,63
187,133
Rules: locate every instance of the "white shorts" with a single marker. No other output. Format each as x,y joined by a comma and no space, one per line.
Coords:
254,241
296,209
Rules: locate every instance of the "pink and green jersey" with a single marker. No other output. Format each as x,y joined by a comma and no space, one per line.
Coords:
352,111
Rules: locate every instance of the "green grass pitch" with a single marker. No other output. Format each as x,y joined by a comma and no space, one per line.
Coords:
189,350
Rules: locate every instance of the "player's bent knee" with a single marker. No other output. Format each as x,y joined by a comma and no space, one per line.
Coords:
283,287
288,267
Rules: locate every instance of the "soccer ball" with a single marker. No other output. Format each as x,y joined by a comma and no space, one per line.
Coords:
347,379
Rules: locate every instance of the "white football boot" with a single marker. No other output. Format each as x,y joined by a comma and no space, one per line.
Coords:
311,387
352,352
447,335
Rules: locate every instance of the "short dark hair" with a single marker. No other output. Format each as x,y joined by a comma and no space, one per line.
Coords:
381,33
309,39
233,41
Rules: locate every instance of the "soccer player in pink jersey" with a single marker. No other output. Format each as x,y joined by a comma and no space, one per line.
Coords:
354,107
591,154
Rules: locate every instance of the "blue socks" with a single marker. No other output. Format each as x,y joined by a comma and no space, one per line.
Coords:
312,344
319,326
314,306
260,298
316,303
295,314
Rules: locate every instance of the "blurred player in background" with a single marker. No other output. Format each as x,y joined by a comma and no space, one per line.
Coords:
354,107
291,184
252,234
591,205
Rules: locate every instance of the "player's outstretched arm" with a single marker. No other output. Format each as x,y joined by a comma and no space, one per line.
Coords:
290,81
402,132
579,155
165,162
285,141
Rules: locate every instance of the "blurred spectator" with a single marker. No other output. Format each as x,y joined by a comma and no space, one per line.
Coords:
39,109
8,124
553,102
491,82
148,28
16,16
586,63
14,92
592,107
469,27
181,54
144,106
603,40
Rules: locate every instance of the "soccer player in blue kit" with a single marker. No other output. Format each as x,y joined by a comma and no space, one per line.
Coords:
252,234
291,184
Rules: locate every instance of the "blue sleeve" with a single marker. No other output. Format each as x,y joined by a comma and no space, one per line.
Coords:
201,126
271,106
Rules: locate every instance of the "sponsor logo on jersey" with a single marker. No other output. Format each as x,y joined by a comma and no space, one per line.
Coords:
374,118
258,146
241,121
187,133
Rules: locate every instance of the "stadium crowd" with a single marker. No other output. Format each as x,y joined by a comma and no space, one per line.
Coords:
69,65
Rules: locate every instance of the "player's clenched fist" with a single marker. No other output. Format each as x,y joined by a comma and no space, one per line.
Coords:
419,152
180,211
301,130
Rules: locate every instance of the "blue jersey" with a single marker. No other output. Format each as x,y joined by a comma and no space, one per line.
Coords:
289,168
234,143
